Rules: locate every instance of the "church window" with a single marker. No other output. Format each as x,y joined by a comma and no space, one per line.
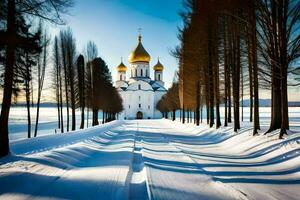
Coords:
129,106
139,87
120,77
159,77
149,107
141,72
146,72
140,105
139,98
135,72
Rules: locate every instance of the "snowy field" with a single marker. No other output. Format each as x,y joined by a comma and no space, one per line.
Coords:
154,159
47,121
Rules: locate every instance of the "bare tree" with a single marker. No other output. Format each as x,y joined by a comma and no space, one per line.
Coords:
58,83
41,69
91,54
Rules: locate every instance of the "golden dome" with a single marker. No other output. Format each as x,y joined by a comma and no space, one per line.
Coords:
158,66
122,67
139,54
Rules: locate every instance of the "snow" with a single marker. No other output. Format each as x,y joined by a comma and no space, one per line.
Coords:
47,121
153,159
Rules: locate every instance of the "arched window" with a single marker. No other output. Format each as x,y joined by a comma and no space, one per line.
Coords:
135,72
159,77
120,77
141,72
139,86
146,72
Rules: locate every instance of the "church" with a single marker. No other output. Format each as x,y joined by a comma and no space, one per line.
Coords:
140,93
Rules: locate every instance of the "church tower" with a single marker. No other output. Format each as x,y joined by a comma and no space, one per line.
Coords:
139,60
121,77
158,73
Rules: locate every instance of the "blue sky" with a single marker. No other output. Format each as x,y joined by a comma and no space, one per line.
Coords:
113,25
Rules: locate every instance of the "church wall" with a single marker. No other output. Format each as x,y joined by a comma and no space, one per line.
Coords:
140,70
134,101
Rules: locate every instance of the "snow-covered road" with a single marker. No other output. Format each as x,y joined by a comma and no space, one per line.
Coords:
152,159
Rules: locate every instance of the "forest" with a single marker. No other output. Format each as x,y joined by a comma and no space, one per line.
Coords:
231,49
80,80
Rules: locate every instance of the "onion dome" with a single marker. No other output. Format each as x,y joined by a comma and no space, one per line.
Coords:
122,67
139,54
158,66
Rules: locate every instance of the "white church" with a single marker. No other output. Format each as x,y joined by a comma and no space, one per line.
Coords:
140,94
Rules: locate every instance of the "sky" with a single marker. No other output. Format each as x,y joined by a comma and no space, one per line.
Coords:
113,25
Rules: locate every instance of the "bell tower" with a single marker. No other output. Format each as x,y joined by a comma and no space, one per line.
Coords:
158,72
139,60
121,75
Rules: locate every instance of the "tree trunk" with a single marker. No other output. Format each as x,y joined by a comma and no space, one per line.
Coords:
229,98
37,116
66,81
225,78
8,81
283,16
250,68
28,109
61,100
57,94
73,106
254,69
274,49
183,115
95,117
284,104
82,118
201,113
87,117
197,111
174,115
236,76
242,93
103,116
210,77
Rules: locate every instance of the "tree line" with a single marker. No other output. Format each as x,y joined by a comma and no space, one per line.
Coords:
26,52
233,48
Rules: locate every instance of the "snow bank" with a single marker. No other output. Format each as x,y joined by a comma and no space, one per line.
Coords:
43,143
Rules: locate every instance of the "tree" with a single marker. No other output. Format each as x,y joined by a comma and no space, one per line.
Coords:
81,87
68,51
91,54
169,102
100,77
49,10
279,45
58,83
25,60
41,69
